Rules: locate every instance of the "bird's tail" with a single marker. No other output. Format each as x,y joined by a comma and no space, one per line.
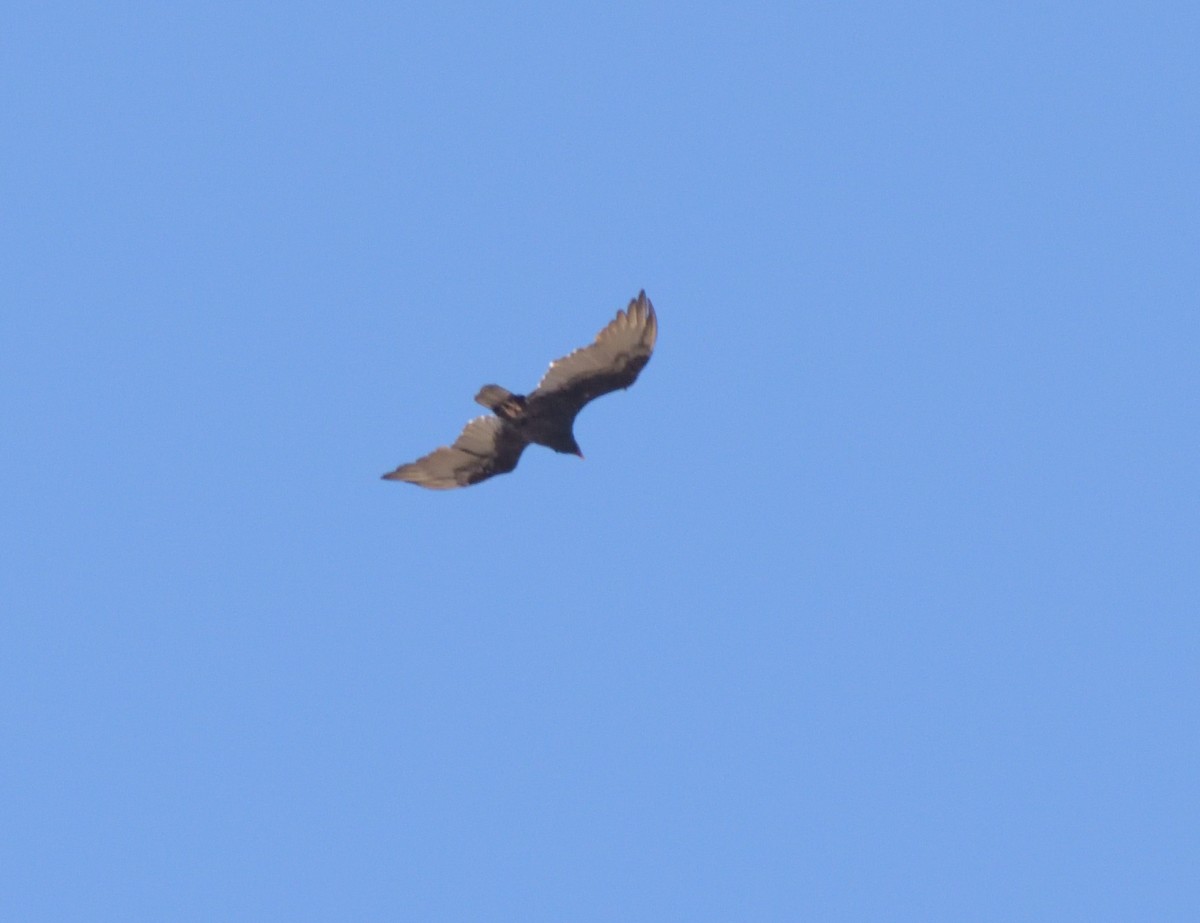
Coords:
492,396
503,403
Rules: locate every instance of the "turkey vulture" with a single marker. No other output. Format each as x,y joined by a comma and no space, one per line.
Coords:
493,445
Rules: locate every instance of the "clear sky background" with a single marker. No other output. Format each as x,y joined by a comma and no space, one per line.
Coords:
875,599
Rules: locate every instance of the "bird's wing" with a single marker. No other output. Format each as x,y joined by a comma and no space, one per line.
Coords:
486,447
620,352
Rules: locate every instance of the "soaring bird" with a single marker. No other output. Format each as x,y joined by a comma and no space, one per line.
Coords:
491,445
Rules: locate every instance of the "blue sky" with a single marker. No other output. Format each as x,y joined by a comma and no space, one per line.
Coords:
875,598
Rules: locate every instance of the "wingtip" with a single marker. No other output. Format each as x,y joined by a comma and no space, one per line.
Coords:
650,318
640,310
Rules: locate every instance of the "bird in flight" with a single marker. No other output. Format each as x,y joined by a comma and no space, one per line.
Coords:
491,445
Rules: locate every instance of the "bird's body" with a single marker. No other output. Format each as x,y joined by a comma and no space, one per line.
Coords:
537,421
493,445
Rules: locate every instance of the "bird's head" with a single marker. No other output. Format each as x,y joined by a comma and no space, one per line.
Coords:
567,445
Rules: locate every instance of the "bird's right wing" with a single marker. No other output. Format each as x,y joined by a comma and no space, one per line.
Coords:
613,361
486,447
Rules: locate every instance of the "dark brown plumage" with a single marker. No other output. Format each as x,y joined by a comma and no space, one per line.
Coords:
493,445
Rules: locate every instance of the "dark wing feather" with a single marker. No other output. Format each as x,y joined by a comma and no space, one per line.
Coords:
620,352
486,447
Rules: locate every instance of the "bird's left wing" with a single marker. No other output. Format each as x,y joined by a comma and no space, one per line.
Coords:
487,446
